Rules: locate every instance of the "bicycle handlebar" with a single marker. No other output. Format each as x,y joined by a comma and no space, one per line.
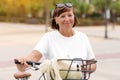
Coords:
28,62
38,63
85,73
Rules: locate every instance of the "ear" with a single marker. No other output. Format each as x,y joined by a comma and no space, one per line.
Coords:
56,20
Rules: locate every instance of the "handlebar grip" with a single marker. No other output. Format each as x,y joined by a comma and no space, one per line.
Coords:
16,61
28,62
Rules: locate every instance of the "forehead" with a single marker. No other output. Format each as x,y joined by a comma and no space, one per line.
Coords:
67,12
59,11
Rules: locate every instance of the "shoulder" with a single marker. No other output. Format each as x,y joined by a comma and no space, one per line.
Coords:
81,34
50,34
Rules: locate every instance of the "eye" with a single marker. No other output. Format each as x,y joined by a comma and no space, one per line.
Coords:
70,15
62,16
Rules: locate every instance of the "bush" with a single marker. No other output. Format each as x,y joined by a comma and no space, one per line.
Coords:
90,21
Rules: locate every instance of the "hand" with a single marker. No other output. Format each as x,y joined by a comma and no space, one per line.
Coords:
23,65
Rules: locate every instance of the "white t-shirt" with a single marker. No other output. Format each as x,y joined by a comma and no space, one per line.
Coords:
54,45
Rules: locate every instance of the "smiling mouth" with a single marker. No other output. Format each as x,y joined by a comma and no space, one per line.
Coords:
66,23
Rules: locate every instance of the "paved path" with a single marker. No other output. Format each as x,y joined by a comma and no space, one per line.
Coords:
19,39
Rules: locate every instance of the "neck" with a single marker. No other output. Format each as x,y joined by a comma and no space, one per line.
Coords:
67,33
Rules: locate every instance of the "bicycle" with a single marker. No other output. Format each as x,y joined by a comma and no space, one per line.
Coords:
84,69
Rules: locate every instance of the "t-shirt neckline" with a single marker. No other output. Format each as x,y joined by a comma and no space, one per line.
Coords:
65,36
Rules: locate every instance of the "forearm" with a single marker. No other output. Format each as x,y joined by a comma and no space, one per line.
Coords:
33,56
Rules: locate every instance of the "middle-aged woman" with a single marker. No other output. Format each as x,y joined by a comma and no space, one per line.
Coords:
63,41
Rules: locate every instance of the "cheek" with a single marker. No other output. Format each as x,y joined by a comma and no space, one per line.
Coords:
72,20
58,20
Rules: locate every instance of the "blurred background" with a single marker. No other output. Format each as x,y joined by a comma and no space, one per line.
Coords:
89,12
23,22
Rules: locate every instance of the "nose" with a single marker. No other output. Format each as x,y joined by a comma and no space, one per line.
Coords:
66,18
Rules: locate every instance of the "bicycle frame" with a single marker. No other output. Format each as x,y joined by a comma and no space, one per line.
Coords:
85,73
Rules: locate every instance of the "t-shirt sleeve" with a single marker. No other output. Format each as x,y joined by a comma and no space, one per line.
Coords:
90,53
42,45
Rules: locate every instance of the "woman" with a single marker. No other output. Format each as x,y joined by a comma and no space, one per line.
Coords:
63,42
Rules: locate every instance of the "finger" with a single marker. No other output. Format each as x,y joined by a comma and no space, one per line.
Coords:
22,60
26,65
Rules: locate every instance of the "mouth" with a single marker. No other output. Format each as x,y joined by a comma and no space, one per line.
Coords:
66,23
